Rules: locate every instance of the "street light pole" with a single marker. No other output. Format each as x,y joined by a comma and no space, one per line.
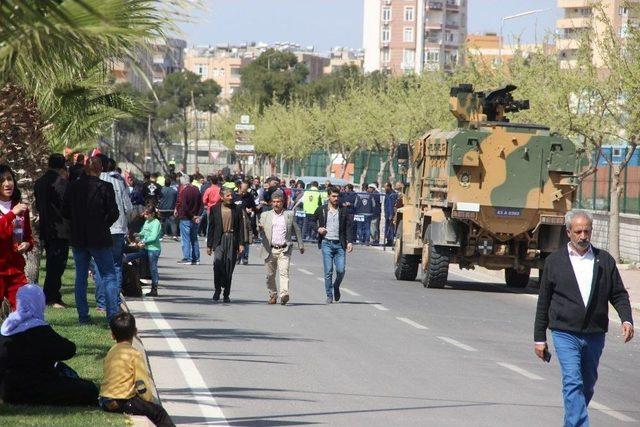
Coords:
506,18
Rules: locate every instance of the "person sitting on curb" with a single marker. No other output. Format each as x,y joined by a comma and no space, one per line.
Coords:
126,384
30,354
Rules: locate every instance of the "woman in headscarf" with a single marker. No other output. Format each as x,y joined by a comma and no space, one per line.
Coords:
29,352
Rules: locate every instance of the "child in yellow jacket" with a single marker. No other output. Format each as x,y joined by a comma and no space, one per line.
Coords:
126,384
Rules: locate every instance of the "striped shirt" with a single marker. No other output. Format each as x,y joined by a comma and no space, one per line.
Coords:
122,200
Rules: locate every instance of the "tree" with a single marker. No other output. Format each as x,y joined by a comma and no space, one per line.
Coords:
273,76
180,92
52,68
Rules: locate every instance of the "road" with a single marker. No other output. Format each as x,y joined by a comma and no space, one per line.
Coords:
389,354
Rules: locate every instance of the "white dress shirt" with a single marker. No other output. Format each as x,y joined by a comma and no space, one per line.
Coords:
583,269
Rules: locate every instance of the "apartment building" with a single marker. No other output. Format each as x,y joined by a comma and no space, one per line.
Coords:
407,36
340,57
168,57
220,63
487,50
579,16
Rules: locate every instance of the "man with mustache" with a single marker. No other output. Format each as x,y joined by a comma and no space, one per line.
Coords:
578,283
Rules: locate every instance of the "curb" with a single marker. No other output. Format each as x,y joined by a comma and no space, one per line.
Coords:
137,420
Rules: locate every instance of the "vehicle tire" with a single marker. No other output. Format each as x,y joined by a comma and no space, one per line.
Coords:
515,279
435,267
406,266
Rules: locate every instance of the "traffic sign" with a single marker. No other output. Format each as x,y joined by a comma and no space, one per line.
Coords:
245,119
241,126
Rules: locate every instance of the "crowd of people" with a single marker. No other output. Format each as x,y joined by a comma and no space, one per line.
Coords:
110,220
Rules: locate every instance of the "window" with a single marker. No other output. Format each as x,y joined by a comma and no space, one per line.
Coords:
433,56
408,57
201,70
386,14
408,34
386,35
221,71
386,55
235,71
622,11
617,152
408,13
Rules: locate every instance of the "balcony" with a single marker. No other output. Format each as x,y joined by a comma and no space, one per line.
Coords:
452,26
578,22
435,5
567,44
433,25
575,4
453,5
433,40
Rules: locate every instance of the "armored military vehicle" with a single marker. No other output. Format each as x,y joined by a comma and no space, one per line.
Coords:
491,193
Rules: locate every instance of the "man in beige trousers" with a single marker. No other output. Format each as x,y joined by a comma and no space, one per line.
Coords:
276,228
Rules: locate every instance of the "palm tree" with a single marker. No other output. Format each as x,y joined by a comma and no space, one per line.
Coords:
54,75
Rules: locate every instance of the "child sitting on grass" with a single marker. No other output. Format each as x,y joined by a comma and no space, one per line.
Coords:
126,385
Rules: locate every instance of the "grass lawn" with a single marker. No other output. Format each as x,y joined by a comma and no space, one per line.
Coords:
93,343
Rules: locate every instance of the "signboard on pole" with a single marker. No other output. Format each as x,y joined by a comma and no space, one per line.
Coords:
241,126
245,119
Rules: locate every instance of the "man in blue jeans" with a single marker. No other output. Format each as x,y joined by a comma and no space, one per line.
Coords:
578,283
188,210
335,238
90,206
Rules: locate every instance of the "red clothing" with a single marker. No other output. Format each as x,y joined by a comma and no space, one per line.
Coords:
189,202
12,262
211,196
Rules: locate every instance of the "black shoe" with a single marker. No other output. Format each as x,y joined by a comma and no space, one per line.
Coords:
227,299
216,295
329,300
336,293
245,262
152,293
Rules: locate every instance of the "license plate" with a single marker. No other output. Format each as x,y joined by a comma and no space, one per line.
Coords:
508,212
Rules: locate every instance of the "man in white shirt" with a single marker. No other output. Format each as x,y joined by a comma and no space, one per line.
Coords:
276,227
578,283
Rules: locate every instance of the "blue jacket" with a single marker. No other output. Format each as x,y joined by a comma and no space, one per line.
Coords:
389,203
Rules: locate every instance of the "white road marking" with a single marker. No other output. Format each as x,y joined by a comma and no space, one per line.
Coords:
457,344
612,413
347,291
411,323
307,272
520,371
378,306
199,388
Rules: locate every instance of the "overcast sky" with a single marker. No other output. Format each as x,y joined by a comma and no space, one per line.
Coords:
329,23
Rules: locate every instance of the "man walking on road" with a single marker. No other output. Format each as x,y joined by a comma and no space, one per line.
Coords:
188,209
578,283
335,236
277,226
226,238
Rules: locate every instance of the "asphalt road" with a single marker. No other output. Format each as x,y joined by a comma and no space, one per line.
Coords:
389,354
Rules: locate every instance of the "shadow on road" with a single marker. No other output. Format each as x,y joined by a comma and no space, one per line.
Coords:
463,285
225,335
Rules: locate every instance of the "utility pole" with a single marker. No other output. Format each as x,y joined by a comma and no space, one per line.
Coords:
195,121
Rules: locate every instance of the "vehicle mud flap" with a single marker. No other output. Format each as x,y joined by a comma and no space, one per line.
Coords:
406,266
515,279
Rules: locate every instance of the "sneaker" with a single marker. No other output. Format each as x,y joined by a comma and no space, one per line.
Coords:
184,261
175,238
195,263
216,296
329,300
245,262
152,293
272,299
227,299
285,299
336,293
145,281
57,304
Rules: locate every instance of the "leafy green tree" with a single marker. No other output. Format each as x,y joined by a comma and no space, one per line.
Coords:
177,95
273,76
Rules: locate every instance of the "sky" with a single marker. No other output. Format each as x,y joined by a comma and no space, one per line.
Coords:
329,23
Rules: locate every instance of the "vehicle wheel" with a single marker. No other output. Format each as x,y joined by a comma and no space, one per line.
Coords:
435,267
515,279
406,266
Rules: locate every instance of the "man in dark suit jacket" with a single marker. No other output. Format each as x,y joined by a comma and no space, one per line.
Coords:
578,283
335,236
226,238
